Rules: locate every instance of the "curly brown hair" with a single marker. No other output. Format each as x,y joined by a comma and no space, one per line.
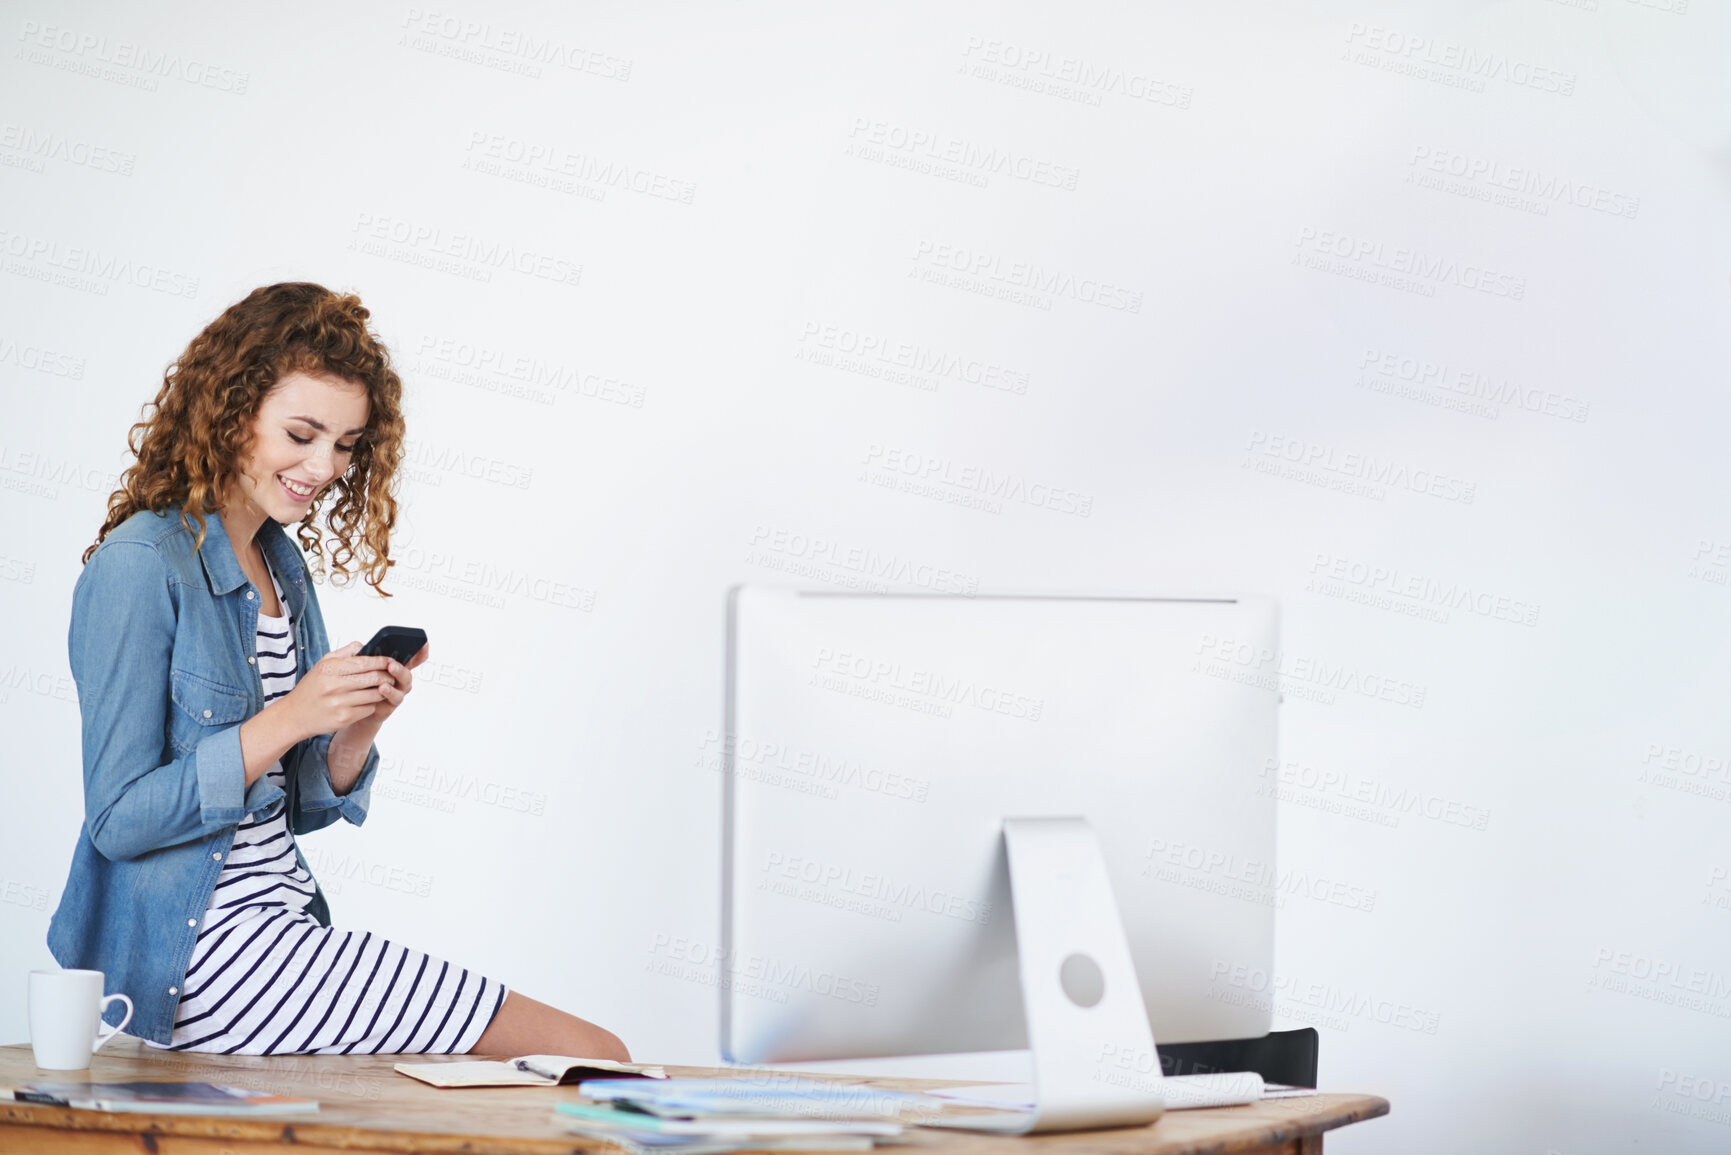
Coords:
187,448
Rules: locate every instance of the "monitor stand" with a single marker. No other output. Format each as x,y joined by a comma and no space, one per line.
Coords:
1080,996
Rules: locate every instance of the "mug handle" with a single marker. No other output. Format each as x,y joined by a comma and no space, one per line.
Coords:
112,1031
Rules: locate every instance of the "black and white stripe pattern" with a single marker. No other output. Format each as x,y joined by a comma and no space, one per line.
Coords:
278,983
275,650
267,979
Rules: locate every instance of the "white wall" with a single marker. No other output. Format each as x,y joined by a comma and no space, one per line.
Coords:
1245,405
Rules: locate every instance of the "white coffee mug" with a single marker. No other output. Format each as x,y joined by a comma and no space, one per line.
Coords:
65,1011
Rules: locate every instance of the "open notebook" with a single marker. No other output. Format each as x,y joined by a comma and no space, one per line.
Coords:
526,1071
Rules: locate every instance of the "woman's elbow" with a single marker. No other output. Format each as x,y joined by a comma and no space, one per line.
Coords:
112,840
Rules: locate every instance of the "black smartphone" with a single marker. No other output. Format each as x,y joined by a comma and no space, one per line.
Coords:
399,642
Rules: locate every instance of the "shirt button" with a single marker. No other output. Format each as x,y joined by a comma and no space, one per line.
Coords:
215,856
249,595
174,990
252,661
192,922
207,713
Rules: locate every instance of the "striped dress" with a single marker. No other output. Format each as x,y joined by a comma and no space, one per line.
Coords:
267,979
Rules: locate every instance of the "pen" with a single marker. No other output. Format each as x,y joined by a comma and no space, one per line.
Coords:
525,1065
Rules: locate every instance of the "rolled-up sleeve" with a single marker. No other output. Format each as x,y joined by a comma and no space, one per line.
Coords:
221,772
319,802
121,647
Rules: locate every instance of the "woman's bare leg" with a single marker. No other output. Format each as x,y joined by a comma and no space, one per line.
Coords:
526,1027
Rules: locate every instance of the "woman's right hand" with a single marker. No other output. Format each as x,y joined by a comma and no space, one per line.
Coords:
341,688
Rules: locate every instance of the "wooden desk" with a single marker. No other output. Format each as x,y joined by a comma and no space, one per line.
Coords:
366,1106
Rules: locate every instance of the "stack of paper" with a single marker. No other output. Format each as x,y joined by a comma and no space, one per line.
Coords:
750,1112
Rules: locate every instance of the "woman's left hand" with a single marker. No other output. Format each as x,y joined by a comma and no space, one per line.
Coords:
391,695
404,682
348,748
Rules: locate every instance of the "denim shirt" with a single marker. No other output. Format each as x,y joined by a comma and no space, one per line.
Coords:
162,646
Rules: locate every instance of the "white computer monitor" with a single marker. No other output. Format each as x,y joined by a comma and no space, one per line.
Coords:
873,746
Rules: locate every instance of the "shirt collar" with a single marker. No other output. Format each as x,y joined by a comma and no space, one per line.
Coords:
222,568
285,562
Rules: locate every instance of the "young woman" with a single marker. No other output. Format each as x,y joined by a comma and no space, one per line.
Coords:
218,726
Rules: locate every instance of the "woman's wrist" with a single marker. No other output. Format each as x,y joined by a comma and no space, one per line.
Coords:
347,754
353,741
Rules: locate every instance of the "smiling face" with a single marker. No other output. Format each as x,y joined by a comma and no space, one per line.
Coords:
303,437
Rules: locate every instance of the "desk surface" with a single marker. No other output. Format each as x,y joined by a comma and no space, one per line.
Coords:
364,1106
